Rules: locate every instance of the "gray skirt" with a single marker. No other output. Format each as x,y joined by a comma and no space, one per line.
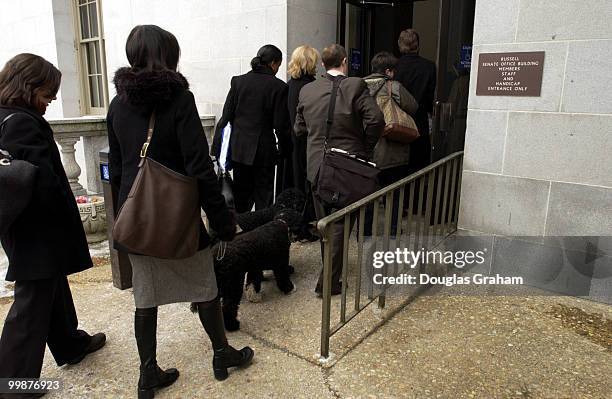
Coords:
163,281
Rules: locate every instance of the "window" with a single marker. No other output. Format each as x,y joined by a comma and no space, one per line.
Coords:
92,57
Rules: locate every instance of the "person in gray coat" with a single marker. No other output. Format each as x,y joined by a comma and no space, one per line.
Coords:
356,127
391,157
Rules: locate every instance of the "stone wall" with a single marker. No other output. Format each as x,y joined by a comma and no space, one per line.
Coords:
537,178
46,28
311,22
28,27
218,39
539,166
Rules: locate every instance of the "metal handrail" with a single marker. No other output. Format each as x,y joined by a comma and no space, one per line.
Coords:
323,223
443,188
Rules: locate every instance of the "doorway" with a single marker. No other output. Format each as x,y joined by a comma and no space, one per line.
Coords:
445,28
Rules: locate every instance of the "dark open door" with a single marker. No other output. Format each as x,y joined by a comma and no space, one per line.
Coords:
453,61
367,27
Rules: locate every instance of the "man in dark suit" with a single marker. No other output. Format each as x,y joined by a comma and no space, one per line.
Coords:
418,75
256,106
356,127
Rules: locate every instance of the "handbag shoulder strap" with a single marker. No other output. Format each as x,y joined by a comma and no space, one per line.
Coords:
9,116
393,106
3,153
145,146
6,118
332,106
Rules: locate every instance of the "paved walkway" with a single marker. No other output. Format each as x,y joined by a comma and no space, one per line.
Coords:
435,347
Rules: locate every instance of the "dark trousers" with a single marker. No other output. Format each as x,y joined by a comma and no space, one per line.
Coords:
420,153
299,176
386,178
253,185
337,238
42,313
299,164
284,175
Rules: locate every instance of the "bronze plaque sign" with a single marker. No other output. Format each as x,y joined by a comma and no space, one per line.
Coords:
510,74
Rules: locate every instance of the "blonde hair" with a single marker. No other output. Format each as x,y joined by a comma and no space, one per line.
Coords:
304,61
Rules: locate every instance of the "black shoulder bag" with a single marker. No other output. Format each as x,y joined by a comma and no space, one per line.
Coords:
17,179
343,178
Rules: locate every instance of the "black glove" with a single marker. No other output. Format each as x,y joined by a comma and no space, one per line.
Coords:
228,232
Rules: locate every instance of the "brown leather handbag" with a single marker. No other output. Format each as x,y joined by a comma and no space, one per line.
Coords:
161,215
400,127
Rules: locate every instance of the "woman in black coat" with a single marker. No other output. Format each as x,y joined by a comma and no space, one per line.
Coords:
256,107
46,242
152,84
302,69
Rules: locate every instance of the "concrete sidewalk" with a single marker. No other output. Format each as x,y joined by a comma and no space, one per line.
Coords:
435,347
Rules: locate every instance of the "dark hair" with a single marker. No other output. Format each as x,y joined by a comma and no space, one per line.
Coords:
266,55
24,76
333,55
151,48
408,41
383,61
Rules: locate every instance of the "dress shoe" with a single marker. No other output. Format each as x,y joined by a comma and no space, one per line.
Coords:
97,342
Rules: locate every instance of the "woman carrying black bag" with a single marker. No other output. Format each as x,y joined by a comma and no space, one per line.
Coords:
46,241
256,107
152,83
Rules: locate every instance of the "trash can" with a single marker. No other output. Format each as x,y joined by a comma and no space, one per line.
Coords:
120,263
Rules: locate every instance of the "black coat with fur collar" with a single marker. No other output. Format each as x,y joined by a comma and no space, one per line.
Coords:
178,141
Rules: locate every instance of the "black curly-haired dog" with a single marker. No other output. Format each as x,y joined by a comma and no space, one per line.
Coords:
288,199
263,248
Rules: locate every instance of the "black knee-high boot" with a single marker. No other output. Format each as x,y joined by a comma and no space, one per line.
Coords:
151,376
224,355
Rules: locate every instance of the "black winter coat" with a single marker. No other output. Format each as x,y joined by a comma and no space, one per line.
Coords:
295,85
418,75
256,106
47,240
299,162
178,140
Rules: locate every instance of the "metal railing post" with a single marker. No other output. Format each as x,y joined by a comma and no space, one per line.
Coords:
439,183
457,202
326,311
359,257
447,176
452,195
400,221
373,244
345,237
428,206
386,232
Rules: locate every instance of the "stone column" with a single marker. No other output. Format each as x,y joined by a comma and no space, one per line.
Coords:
72,168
